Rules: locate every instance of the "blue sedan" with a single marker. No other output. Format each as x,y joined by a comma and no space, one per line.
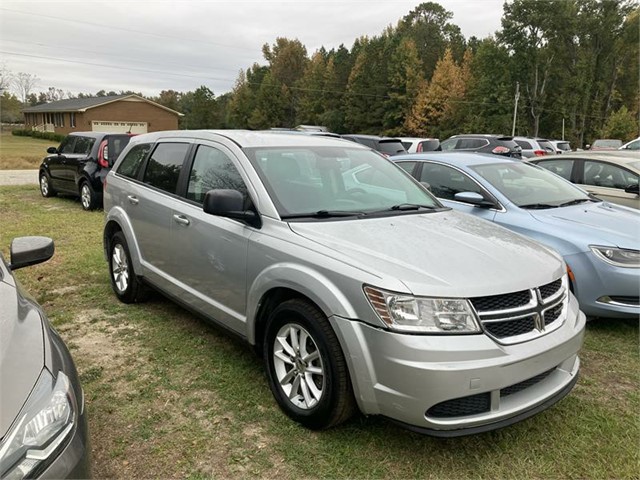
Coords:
600,242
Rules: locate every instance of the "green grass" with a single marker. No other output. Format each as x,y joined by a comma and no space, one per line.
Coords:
22,153
169,395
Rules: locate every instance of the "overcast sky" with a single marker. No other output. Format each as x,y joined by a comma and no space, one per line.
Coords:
149,46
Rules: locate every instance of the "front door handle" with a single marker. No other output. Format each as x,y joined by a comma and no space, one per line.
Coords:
182,220
133,200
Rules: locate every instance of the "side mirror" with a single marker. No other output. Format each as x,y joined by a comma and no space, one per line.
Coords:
52,150
634,189
474,199
27,251
230,204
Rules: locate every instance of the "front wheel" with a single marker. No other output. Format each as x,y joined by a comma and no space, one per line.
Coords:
307,370
45,186
88,196
124,282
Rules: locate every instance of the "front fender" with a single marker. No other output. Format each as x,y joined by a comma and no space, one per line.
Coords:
118,216
305,280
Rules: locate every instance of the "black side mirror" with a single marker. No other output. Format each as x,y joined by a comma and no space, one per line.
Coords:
52,150
474,199
230,204
27,251
635,188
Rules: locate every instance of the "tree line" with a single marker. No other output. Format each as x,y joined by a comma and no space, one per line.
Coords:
575,62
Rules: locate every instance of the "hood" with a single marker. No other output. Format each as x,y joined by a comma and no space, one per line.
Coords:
438,254
21,352
600,223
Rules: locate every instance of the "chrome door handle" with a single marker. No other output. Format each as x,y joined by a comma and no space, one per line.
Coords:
133,200
182,220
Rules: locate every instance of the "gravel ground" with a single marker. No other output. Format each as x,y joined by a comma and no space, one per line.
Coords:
18,177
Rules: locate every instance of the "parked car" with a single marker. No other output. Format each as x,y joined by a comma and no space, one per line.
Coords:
598,241
534,147
354,283
43,426
414,144
605,144
79,166
561,146
632,145
495,144
386,146
611,176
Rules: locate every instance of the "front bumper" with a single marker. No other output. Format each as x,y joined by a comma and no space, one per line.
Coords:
459,384
604,290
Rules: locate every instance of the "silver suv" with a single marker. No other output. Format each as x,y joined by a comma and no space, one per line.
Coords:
356,285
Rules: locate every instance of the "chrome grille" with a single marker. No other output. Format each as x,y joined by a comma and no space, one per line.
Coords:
523,315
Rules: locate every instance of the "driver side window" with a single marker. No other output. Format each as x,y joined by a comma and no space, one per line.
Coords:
445,182
213,169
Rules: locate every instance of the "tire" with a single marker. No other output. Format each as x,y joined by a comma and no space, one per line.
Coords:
124,282
45,186
88,196
311,382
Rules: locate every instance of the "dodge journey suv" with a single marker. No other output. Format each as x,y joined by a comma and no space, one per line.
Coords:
357,287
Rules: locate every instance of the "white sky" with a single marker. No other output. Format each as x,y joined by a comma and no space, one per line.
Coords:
150,45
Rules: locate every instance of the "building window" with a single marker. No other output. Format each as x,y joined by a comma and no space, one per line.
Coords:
72,120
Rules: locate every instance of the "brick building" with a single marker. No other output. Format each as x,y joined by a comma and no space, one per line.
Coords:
118,113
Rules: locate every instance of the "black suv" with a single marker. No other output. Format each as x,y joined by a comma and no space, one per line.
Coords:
496,144
80,164
386,146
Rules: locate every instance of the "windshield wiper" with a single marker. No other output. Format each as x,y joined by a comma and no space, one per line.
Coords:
575,202
538,206
412,206
324,214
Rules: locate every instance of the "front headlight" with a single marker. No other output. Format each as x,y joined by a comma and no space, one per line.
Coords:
619,257
406,313
44,423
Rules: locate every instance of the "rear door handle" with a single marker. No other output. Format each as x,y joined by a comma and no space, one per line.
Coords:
133,200
182,220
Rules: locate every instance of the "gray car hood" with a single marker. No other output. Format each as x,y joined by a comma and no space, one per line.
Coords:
21,352
596,224
438,254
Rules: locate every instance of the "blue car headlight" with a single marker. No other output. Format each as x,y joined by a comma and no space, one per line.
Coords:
620,257
42,427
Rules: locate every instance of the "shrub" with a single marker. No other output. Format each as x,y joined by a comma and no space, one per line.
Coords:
55,137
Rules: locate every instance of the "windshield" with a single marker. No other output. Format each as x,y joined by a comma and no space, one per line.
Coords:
530,186
306,180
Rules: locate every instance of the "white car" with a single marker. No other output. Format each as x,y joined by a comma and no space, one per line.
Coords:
632,145
417,145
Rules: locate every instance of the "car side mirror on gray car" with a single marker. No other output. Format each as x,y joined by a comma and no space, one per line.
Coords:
27,251
229,203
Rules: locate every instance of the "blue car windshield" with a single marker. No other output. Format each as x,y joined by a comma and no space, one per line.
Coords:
340,180
528,185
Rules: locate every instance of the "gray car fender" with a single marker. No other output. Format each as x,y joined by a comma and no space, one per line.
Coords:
119,216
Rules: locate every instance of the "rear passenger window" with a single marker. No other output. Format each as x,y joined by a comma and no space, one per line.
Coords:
559,167
130,165
83,145
163,168
213,169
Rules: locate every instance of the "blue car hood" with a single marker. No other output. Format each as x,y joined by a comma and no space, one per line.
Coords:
597,223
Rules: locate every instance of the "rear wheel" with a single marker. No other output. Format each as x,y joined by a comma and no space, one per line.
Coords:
307,370
45,186
88,196
124,282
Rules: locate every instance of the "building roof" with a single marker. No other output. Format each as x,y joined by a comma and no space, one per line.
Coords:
84,104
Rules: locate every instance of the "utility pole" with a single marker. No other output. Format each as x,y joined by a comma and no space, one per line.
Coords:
562,128
515,109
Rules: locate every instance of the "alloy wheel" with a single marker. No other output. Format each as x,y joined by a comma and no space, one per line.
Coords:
85,196
44,185
298,366
120,268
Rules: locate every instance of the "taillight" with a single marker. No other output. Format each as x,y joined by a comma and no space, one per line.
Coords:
500,150
539,153
103,154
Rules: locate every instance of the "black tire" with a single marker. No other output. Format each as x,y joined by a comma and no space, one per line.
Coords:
45,186
88,196
124,282
335,404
